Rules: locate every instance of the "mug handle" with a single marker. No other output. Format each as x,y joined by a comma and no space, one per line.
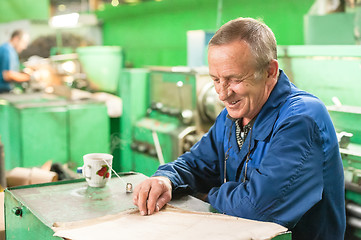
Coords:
85,171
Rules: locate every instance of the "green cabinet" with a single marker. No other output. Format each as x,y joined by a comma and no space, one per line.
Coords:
41,135
35,130
88,126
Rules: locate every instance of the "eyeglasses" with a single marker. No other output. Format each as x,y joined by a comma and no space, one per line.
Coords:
226,156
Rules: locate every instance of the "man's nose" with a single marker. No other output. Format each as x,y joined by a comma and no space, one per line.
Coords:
224,91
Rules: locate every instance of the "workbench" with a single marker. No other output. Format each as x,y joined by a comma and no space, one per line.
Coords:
31,211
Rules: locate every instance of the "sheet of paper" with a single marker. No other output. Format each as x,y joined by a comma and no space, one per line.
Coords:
169,223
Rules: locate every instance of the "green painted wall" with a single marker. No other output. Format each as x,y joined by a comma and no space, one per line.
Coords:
154,33
12,10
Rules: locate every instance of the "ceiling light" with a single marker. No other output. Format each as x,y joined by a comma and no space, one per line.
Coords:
131,1
65,20
115,3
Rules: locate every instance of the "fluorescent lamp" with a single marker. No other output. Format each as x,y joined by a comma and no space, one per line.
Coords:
63,21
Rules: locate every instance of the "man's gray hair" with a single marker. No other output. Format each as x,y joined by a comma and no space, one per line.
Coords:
256,34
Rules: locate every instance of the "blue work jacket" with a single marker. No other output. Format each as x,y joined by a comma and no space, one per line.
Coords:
9,60
294,175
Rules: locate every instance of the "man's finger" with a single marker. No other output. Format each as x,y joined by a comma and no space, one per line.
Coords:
156,191
142,198
135,195
163,200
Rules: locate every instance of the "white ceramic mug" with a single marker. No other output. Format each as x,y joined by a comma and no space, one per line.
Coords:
97,168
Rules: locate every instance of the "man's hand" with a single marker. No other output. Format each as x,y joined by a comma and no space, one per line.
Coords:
152,194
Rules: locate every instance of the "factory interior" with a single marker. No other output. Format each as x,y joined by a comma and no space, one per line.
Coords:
130,78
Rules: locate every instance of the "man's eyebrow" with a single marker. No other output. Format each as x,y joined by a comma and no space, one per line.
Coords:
212,76
239,76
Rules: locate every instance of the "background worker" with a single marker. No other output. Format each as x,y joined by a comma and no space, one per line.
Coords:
9,60
272,154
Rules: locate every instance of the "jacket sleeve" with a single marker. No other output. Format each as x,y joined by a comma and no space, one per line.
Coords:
198,169
286,184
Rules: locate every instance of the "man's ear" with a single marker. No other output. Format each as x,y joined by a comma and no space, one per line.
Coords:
272,71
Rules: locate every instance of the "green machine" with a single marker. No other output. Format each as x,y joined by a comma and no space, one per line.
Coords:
31,211
134,94
165,111
9,128
36,128
332,73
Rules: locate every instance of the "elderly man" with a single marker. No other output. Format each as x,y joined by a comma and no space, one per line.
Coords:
272,154
9,60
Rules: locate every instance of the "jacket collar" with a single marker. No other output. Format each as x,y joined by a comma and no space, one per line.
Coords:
269,112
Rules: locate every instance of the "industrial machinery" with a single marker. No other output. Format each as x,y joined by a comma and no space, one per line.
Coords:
172,108
332,73
39,127
52,119
69,69
347,123
325,71
93,68
102,65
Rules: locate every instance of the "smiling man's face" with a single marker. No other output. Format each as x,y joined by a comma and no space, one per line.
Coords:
232,70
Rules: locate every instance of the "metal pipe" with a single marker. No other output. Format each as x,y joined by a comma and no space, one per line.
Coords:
158,148
353,187
219,13
354,209
354,222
